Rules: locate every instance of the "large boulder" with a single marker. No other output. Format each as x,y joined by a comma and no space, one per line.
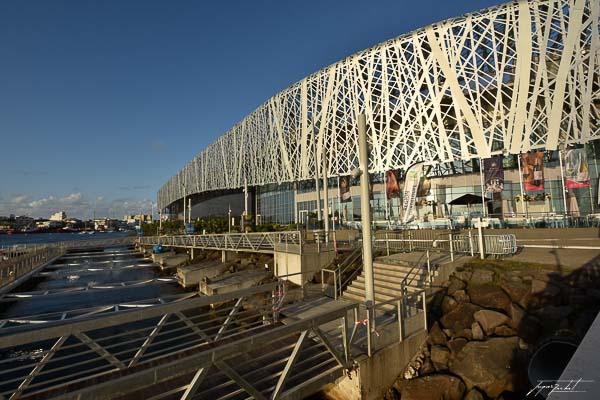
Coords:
455,284
482,276
461,296
492,366
504,330
437,336
544,288
456,345
489,320
474,394
477,331
448,304
490,296
461,317
434,387
463,274
440,356
516,315
518,292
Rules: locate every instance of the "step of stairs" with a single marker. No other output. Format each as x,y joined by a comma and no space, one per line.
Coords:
388,281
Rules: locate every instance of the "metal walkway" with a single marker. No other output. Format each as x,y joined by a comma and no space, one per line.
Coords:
250,242
183,349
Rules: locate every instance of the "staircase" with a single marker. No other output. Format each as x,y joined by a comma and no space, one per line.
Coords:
389,279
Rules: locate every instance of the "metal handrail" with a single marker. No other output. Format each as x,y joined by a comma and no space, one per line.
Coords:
256,241
339,271
174,342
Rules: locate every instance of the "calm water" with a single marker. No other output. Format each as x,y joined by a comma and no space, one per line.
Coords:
114,265
38,238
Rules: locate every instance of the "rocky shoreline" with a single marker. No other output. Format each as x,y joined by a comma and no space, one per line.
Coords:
485,324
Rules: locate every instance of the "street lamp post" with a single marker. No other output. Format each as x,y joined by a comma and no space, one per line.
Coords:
365,208
229,219
326,190
317,188
183,203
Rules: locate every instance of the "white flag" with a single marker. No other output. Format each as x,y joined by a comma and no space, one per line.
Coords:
411,188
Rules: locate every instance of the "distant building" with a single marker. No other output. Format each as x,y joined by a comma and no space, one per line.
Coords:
59,216
49,224
23,222
134,219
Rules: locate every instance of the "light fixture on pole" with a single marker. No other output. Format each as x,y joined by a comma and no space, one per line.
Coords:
229,219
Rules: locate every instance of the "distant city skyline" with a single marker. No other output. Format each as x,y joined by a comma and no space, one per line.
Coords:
102,102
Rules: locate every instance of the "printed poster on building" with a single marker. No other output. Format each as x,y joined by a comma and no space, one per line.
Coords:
532,167
344,184
411,189
577,173
494,174
392,188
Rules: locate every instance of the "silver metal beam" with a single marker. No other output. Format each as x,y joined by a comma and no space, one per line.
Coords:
288,366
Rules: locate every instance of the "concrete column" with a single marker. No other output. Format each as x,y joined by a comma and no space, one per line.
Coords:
226,256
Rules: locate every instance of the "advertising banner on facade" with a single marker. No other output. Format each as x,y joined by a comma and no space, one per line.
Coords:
344,184
577,172
392,189
494,174
411,188
532,166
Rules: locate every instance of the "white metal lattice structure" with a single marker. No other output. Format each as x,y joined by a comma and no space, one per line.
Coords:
520,76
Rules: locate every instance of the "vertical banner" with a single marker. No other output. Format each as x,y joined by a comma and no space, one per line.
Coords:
344,183
577,173
532,165
391,185
494,174
411,188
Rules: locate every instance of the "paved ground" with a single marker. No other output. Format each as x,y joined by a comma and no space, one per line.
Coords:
565,249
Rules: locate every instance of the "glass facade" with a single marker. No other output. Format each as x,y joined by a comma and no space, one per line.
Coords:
276,203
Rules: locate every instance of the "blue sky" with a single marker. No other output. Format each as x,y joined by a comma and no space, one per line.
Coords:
101,102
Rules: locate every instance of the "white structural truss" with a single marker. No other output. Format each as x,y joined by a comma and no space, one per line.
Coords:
520,76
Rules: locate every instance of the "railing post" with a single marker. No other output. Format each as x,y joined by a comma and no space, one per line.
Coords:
451,247
424,311
480,238
369,337
400,320
387,243
322,281
335,286
428,267
345,339
471,244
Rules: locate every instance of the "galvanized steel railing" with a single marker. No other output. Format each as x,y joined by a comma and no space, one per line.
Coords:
14,268
407,241
18,260
124,353
255,242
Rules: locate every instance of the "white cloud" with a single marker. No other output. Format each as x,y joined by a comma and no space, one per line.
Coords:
76,205
19,199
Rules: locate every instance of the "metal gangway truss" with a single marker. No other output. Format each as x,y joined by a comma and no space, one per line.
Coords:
224,346
257,242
